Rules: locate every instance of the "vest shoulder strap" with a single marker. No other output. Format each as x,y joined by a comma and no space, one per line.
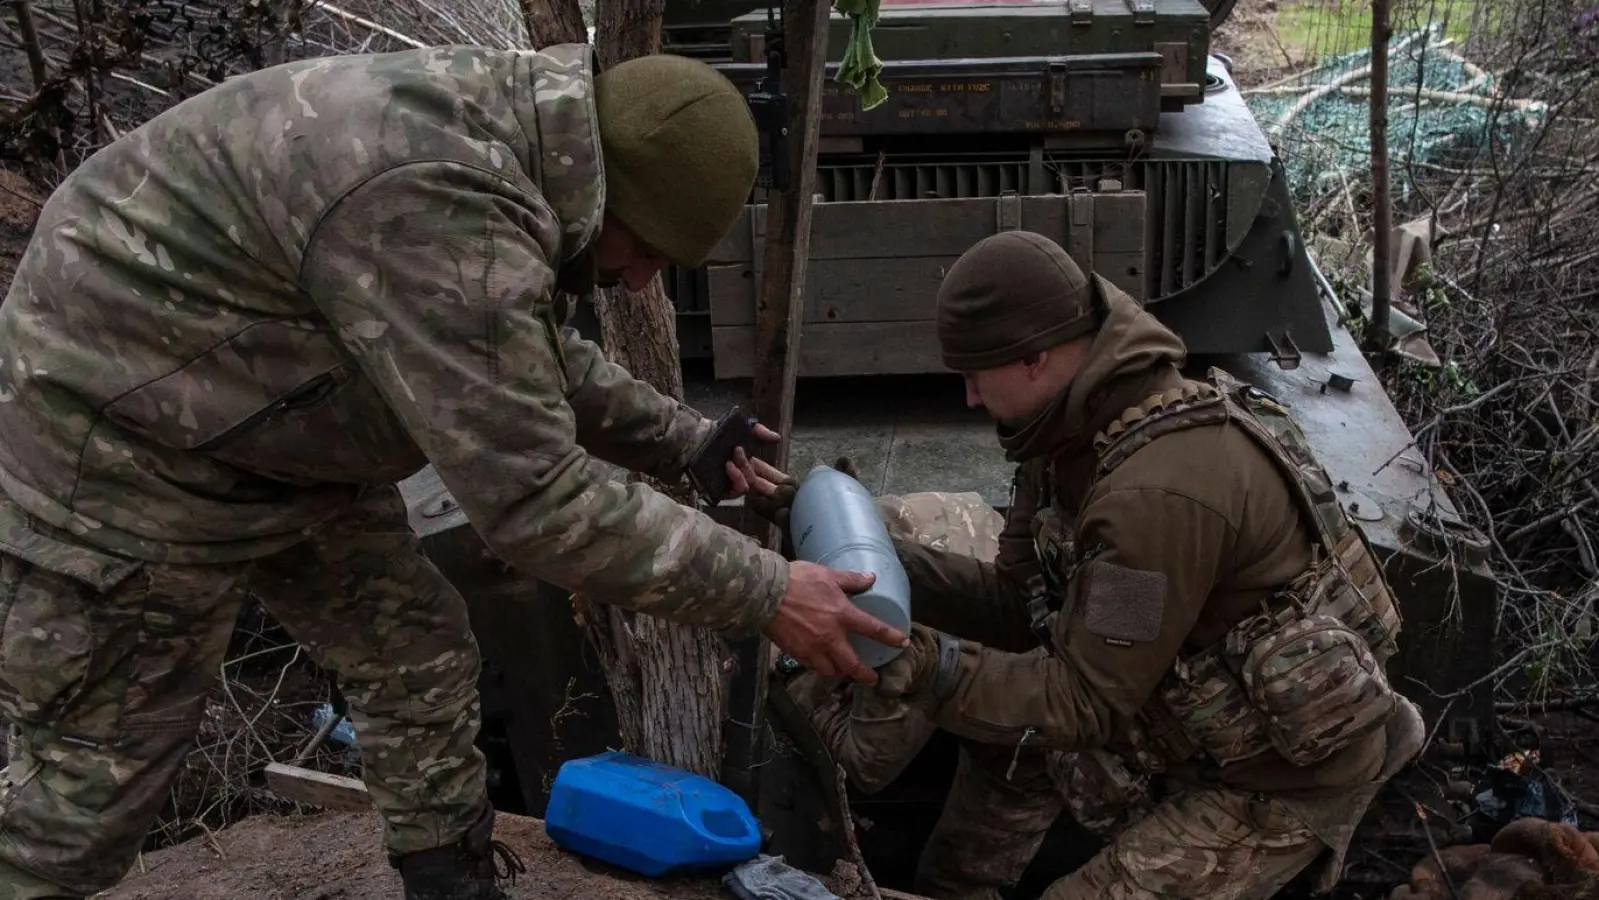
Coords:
1223,398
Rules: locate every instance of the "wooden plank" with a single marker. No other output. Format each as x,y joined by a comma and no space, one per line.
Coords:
856,348
774,340
315,788
867,230
839,290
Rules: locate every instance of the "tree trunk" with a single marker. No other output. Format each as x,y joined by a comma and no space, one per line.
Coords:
666,678
628,28
680,667
554,22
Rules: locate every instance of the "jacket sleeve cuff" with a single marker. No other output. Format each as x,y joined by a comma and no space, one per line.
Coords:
687,432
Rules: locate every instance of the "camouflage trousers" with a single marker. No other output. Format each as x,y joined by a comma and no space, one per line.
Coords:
1205,842
1003,800
106,663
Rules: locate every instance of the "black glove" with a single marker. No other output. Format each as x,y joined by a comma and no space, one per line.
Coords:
775,508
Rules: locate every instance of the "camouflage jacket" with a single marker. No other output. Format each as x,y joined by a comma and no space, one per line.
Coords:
324,275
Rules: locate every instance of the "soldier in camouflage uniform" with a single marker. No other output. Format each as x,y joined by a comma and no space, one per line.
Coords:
1181,631
239,325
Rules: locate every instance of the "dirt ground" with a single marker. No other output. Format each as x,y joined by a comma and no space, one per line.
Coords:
339,856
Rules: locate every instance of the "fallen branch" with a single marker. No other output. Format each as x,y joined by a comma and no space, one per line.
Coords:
368,24
851,845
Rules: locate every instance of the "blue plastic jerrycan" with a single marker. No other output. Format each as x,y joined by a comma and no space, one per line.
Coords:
650,818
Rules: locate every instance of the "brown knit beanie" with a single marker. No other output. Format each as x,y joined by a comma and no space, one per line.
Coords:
1008,297
681,152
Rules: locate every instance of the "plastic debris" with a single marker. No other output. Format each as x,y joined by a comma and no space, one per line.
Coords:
770,878
1516,788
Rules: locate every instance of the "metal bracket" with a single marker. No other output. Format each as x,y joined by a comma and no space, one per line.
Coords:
1443,538
1337,382
1143,11
1284,352
1008,211
1082,12
1057,86
1080,229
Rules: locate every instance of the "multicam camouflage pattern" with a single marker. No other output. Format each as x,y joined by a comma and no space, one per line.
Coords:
106,672
1103,794
1319,687
999,809
1001,803
382,619
323,275
953,522
874,735
1213,843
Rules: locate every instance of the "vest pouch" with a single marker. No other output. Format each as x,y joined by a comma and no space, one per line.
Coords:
1319,686
1204,695
1103,794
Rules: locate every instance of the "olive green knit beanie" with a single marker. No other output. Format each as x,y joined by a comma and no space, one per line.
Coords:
1008,297
681,152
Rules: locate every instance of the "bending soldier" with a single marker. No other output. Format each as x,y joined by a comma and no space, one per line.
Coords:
1181,626
236,327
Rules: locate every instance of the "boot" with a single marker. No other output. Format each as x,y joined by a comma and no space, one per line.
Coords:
465,870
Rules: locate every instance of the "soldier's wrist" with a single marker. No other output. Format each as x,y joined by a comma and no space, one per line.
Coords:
688,432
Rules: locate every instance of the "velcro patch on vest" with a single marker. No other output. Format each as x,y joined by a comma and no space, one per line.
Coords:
1124,606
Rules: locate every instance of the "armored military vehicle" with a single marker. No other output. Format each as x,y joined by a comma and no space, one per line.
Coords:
1107,124
1102,123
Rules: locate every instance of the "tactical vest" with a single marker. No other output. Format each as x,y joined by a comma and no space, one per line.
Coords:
1305,675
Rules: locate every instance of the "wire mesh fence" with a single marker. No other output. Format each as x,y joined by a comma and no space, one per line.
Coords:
1491,108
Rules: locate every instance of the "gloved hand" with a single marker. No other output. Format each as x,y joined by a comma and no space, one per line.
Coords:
924,671
772,493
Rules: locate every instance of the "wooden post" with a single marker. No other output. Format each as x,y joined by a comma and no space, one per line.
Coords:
778,309
1382,205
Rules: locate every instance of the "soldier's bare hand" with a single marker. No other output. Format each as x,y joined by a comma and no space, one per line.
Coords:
815,619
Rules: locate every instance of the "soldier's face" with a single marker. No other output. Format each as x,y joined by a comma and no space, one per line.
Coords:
1015,393
1005,392
621,258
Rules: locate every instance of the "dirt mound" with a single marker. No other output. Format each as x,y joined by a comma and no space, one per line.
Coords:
339,856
